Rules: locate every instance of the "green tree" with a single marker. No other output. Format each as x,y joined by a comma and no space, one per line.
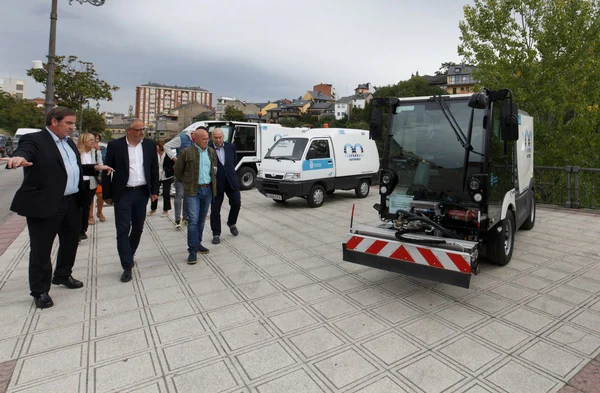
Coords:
107,136
19,113
414,87
75,82
548,54
93,121
233,114
445,67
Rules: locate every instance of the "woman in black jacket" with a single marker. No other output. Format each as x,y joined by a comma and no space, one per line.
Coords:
165,176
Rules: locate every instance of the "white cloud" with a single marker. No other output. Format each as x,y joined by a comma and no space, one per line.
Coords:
252,50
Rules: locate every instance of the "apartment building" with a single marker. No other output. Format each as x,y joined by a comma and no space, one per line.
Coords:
153,99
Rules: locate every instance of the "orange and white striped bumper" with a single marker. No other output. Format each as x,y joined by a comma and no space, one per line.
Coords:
432,263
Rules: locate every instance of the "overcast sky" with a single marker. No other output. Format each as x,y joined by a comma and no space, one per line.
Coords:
255,51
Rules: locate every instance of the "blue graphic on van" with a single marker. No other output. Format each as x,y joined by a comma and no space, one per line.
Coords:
318,163
263,128
351,152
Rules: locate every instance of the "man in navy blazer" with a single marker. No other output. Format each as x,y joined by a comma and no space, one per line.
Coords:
134,181
227,183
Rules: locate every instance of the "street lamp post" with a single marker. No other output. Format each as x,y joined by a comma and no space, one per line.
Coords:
49,101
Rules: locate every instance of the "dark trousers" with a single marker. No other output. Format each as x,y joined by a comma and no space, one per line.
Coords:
65,223
235,203
130,213
88,197
166,188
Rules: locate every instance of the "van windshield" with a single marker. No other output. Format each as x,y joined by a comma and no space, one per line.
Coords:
287,148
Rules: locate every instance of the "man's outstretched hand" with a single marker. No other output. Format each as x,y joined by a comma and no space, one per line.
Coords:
15,162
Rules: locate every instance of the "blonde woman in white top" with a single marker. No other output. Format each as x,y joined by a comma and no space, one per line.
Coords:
85,145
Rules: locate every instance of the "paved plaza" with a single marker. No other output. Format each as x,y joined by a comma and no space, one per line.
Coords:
277,310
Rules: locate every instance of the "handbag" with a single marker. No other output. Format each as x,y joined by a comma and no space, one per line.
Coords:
99,175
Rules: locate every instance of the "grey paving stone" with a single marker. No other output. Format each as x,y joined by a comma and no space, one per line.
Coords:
295,382
312,292
428,330
512,292
10,348
427,300
514,377
56,338
391,348
190,352
381,385
550,306
50,364
532,282
528,320
265,360
116,305
503,335
461,316
327,272
292,320
471,354
587,319
246,335
345,368
179,329
73,383
333,308
431,375
550,274
165,295
346,283
488,304
294,280
215,377
121,344
274,303
230,315
279,269
569,294
121,373
118,323
258,289
395,312
219,299
359,326
169,311
576,339
369,296
555,360
207,286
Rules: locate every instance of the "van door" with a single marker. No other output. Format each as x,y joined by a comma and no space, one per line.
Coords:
319,162
244,139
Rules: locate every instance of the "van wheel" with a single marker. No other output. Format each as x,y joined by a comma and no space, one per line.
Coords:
316,196
530,222
363,188
247,177
501,243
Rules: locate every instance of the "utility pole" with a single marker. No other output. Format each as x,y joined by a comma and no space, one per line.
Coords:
49,102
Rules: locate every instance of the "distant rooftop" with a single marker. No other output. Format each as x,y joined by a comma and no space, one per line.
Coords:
195,88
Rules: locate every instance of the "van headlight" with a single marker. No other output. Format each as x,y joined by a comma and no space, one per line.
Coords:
292,176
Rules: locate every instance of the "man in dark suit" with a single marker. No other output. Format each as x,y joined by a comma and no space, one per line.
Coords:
134,180
227,183
51,197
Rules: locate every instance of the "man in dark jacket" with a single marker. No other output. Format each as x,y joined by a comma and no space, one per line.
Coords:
227,183
134,181
51,197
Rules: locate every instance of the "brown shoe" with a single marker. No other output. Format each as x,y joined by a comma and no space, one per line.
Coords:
101,217
91,221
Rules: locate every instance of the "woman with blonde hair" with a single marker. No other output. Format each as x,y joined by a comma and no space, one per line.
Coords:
85,145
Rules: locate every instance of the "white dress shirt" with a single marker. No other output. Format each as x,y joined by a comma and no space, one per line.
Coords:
136,165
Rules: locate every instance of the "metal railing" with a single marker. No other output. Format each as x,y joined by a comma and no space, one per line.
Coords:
570,186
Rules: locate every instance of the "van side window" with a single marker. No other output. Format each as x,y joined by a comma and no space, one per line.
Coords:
318,149
245,139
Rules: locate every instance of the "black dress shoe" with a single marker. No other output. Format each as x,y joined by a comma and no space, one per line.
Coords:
126,276
68,282
83,236
43,301
233,229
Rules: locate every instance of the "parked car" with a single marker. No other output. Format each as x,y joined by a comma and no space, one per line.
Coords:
6,146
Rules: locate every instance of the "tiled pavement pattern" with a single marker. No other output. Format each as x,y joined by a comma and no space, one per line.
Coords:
277,310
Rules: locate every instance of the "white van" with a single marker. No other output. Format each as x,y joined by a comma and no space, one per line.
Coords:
318,162
22,131
252,141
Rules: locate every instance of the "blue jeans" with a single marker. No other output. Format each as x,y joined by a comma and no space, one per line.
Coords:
197,209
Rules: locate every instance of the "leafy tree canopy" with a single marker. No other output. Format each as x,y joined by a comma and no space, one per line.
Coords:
19,113
414,87
548,54
75,82
233,114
